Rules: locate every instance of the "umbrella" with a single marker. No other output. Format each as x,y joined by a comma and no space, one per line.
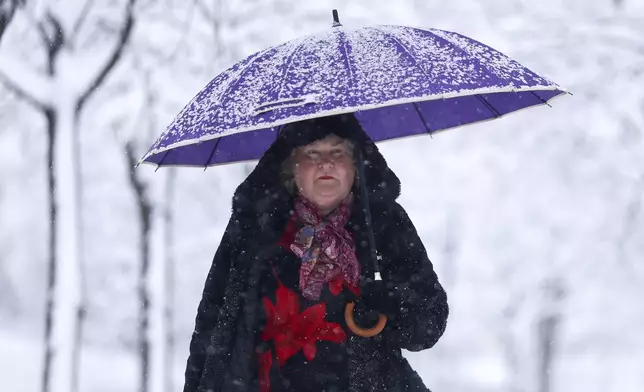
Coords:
398,81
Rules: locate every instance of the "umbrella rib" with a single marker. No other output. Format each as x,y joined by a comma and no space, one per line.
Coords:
405,49
288,65
495,112
484,66
212,153
243,71
541,99
422,119
418,65
162,159
345,54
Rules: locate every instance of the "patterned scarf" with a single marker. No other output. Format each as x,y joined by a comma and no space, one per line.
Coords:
325,247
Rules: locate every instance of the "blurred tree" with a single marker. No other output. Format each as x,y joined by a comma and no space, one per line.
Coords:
153,199
8,299
548,326
7,9
148,64
633,218
70,38
450,249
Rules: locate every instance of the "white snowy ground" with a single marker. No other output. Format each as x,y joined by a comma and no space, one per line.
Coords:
103,369
110,370
106,369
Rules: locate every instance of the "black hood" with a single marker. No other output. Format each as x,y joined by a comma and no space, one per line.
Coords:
262,203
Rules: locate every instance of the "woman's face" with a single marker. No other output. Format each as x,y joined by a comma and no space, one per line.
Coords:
324,171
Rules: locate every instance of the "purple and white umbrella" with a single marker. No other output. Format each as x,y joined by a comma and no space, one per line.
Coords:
399,81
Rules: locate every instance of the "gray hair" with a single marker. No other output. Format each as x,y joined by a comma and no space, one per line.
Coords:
287,177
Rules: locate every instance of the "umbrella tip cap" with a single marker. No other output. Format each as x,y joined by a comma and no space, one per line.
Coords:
336,18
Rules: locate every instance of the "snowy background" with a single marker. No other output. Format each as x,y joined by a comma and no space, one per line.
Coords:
534,222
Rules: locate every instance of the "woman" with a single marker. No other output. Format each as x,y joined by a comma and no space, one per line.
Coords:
295,251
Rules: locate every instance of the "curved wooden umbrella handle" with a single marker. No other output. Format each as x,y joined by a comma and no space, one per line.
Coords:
364,333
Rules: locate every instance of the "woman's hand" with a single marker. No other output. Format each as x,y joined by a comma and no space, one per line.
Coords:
378,296
418,302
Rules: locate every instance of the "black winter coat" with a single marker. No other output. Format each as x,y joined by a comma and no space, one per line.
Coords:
223,350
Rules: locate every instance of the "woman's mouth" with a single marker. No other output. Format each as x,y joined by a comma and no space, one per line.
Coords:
325,178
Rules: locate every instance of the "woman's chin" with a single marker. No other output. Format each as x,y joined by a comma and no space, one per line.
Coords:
326,202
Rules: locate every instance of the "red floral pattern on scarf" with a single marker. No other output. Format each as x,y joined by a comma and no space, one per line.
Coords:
325,247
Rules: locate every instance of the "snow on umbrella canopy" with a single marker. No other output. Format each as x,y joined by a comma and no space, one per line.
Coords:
399,81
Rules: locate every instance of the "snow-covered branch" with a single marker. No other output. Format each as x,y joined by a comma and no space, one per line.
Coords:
29,85
78,25
114,56
7,10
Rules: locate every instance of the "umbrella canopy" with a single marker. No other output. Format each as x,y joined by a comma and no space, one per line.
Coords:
399,81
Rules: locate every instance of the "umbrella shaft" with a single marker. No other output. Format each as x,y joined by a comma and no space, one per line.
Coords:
364,197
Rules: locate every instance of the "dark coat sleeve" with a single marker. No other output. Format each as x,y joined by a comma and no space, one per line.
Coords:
410,277
209,307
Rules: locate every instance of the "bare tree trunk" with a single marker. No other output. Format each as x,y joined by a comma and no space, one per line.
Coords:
64,294
81,310
50,117
156,287
509,343
144,210
169,281
63,310
547,331
8,298
155,277
63,297
632,218
546,335
155,312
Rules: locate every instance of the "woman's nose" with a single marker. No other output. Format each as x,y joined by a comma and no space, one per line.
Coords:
326,161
